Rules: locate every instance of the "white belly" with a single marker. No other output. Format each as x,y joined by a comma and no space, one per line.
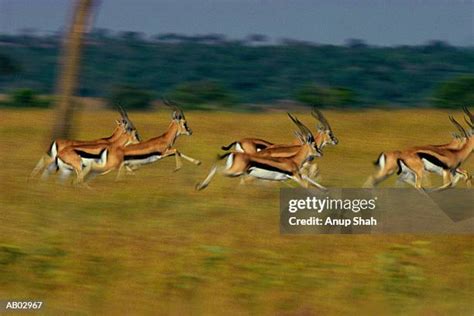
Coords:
432,167
267,175
145,161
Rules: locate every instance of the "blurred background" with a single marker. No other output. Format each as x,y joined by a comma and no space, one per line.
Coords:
242,55
386,73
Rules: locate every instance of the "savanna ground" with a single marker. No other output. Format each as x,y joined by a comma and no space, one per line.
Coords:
151,244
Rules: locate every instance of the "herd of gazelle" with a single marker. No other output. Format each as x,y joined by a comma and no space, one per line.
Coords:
253,158
124,149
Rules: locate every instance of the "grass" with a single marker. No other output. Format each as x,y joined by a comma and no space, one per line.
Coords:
151,244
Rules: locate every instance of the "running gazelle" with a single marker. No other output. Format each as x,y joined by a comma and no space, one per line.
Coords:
271,168
443,160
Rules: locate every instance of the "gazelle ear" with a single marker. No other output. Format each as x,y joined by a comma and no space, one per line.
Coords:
118,122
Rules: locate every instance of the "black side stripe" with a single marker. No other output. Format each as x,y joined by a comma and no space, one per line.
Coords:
85,154
433,160
268,167
142,156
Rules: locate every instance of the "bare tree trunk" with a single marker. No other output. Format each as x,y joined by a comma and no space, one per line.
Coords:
69,68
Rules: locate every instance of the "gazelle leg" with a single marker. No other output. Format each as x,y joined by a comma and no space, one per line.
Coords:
80,181
468,180
319,186
447,179
418,181
40,166
131,170
461,173
246,179
179,164
372,181
171,152
119,172
106,172
49,170
64,175
297,178
79,177
202,185
381,175
313,170
192,160
409,179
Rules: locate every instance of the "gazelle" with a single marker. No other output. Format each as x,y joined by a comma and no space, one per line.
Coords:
135,155
324,136
391,161
47,163
271,168
443,161
80,159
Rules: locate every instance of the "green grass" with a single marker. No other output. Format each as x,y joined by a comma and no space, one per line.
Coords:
151,244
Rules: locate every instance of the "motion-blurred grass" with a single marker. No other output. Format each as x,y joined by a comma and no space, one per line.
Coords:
151,244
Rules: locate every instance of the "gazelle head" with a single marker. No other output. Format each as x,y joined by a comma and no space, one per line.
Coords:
128,125
325,131
306,137
178,118
126,135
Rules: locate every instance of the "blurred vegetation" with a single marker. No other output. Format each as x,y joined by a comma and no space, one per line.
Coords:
8,65
202,94
456,92
253,69
26,98
130,97
326,96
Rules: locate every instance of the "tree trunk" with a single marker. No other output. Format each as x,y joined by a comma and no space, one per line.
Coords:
69,69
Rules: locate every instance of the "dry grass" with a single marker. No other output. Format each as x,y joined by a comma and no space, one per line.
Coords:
151,244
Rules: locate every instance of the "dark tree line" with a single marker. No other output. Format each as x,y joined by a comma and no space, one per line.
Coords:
252,70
